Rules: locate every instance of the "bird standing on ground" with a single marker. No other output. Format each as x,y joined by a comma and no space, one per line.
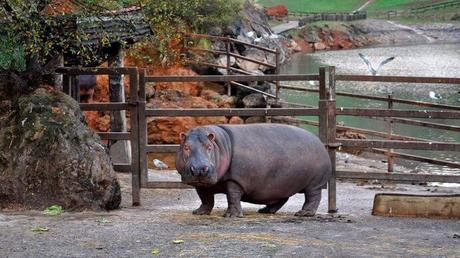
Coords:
435,95
159,164
369,65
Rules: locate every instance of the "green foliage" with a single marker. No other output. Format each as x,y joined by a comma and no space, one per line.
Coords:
31,37
53,210
170,19
11,55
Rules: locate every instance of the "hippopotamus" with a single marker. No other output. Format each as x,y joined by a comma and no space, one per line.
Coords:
256,163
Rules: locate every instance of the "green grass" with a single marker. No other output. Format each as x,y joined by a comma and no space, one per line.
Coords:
315,5
399,4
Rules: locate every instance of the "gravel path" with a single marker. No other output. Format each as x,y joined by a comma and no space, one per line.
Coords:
165,227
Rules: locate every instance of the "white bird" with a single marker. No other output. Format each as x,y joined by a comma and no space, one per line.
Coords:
435,95
369,65
251,34
159,164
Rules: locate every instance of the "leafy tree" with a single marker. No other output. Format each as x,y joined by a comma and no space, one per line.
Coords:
34,33
171,19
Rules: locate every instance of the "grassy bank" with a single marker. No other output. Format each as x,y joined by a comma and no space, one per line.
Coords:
314,5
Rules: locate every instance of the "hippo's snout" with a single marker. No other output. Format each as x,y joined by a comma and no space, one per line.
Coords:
199,170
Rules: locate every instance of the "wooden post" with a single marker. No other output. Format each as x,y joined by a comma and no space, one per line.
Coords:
390,133
67,84
277,71
58,78
331,140
135,162
327,126
120,150
229,71
142,130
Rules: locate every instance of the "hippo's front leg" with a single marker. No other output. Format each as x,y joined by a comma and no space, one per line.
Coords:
234,194
207,202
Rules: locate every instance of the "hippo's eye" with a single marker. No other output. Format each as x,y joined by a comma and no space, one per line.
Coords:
209,147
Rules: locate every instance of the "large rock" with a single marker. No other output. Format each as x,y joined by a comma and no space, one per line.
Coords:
255,100
48,156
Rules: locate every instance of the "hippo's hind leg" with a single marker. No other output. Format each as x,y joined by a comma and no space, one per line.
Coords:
273,208
312,200
207,202
234,193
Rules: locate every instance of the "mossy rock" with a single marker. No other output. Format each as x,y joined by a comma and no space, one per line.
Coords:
49,156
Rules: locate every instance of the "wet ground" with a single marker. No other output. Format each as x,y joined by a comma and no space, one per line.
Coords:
164,226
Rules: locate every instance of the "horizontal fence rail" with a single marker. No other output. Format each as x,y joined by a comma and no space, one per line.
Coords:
233,112
229,78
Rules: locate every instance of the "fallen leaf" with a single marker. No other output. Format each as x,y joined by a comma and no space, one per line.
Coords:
103,221
155,251
53,210
178,241
40,229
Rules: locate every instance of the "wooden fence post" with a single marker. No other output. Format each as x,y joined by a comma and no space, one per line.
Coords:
331,139
133,109
142,130
229,70
277,71
327,126
390,133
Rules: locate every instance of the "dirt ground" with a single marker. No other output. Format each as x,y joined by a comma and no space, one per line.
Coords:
164,226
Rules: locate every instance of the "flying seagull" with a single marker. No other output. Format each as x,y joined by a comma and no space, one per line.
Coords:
369,65
159,164
435,95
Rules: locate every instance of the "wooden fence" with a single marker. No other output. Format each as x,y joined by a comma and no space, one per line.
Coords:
327,112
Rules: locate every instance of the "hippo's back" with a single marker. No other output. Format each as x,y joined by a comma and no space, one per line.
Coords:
275,161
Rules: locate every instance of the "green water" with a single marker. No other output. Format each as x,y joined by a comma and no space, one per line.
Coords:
441,60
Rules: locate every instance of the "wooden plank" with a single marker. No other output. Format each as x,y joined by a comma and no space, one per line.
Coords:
100,106
122,167
251,60
416,158
94,70
253,89
370,112
114,135
369,78
233,112
385,144
411,205
166,185
227,78
403,177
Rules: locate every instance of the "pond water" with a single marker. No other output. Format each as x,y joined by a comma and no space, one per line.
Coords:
437,60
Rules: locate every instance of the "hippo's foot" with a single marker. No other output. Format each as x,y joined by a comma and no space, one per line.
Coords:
312,200
233,213
305,213
203,210
273,208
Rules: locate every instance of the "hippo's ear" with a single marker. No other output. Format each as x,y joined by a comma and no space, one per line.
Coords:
182,137
211,137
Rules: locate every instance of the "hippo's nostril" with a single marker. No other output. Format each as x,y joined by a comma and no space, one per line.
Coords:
205,169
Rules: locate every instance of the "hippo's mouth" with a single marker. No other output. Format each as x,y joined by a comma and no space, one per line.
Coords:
199,181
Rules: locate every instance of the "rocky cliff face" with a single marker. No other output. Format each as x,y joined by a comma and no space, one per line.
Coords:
77,172
340,35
